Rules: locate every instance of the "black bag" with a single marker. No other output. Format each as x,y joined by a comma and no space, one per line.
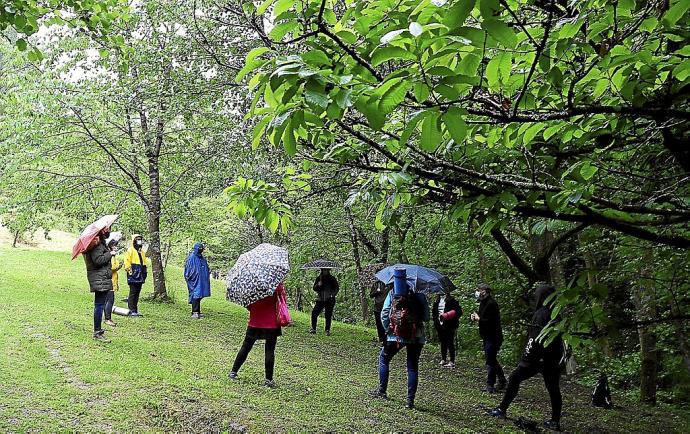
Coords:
601,396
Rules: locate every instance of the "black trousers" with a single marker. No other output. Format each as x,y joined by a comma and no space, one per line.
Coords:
447,339
133,299
379,326
318,307
552,376
98,305
196,305
269,358
493,368
109,301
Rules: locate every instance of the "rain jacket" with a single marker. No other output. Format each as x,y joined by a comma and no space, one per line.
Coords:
263,314
135,263
451,305
424,316
329,287
535,351
115,266
490,320
197,274
98,269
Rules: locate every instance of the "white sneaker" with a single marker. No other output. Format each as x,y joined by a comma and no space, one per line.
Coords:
449,365
442,363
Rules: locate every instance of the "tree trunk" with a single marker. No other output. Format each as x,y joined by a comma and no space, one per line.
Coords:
358,264
16,238
644,303
154,252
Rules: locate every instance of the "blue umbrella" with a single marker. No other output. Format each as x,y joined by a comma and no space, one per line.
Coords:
421,279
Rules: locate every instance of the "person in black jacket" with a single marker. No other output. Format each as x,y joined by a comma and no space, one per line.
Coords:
99,274
489,319
378,292
326,286
536,359
446,315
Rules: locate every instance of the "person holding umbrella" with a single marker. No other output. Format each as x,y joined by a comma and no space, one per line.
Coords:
326,287
197,274
263,324
135,266
256,282
99,274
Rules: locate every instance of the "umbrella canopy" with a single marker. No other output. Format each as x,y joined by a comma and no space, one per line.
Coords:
320,263
421,279
114,236
90,232
257,273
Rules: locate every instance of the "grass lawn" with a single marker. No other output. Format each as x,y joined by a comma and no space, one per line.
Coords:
166,372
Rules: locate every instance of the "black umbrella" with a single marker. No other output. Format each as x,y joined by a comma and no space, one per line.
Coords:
319,264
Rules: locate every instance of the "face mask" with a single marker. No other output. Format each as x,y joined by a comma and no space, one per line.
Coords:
477,295
138,244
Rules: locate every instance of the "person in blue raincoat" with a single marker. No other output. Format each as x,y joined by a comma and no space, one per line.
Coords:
198,277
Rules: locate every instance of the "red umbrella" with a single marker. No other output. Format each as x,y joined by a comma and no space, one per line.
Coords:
91,232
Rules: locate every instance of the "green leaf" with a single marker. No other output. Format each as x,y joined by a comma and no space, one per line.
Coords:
316,57
682,70
21,44
531,132
394,96
457,14
282,6
498,69
411,125
500,32
370,109
316,97
675,12
378,222
258,131
278,32
289,142
343,98
469,65
455,124
587,170
431,135
384,54
256,52
489,8
263,6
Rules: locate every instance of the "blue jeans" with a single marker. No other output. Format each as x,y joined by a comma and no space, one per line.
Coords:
98,306
413,352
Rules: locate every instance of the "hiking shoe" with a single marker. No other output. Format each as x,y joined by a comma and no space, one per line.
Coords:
553,425
377,393
270,384
232,375
201,315
497,412
449,365
312,331
196,315
328,332
135,314
409,405
489,389
110,322
442,362
99,336
501,385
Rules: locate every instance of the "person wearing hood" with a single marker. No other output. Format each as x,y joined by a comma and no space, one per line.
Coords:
99,275
446,314
327,287
489,319
538,358
135,266
198,277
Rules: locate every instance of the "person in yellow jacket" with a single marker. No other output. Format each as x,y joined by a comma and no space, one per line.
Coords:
135,266
115,265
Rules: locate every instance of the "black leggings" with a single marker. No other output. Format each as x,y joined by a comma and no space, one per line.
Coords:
196,305
552,377
447,338
318,307
269,355
133,299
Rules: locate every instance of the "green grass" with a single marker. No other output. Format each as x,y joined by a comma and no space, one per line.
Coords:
166,372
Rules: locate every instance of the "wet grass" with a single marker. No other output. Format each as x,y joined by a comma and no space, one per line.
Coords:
168,373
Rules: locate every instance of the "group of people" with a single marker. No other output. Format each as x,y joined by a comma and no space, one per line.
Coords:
400,321
102,267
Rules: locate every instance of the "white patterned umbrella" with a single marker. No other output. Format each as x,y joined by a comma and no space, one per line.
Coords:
256,274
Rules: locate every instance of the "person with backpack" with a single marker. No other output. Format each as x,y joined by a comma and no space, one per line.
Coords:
197,274
446,314
403,316
135,266
538,358
264,323
489,319
378,292
326,287
99,275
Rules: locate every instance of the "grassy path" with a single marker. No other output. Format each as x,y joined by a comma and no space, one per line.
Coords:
166,372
